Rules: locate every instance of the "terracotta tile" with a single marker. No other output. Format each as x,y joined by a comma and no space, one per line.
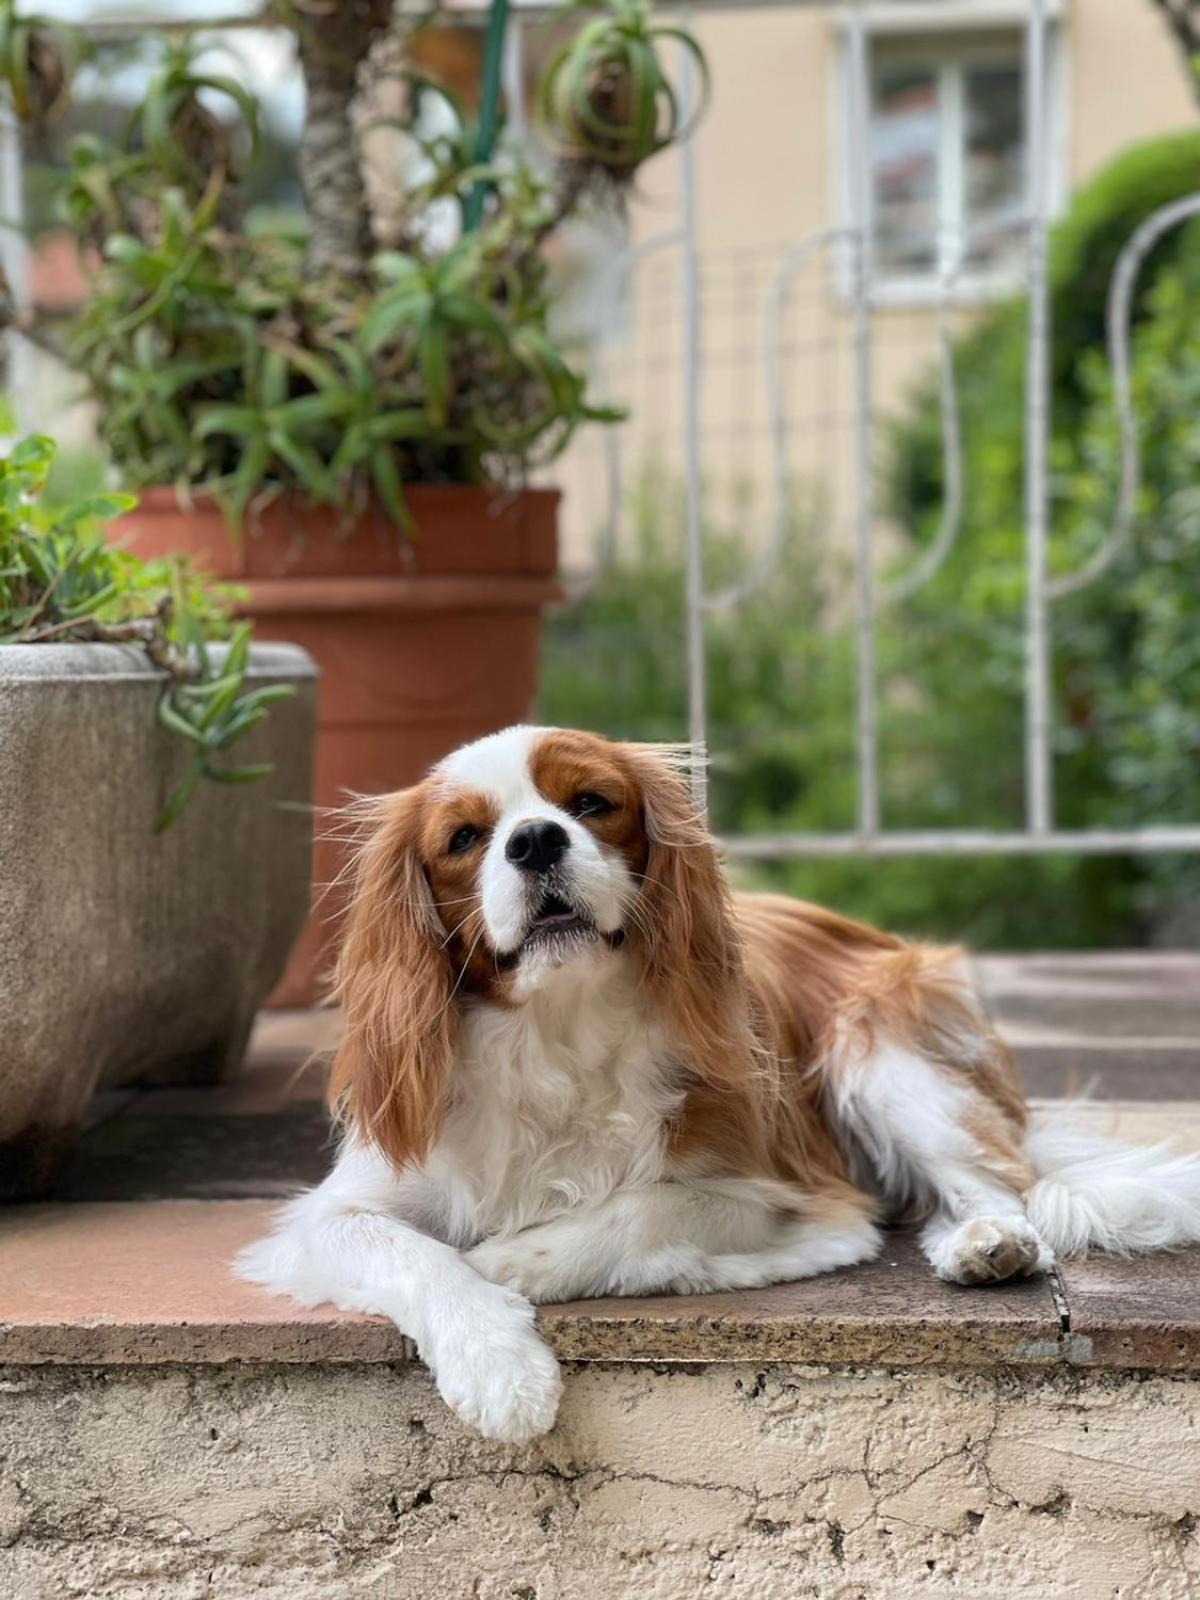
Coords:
146,1283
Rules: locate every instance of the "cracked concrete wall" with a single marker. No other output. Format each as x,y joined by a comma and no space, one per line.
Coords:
775,1483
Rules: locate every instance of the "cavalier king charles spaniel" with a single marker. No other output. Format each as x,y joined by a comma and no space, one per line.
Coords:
574,1064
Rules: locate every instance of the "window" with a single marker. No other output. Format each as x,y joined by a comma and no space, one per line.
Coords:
947,159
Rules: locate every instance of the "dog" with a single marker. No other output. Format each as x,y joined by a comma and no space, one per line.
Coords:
575,1064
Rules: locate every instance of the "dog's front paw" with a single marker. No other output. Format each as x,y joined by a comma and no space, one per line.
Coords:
498,1375
989,1250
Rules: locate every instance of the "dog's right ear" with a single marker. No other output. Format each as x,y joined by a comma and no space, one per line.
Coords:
394,983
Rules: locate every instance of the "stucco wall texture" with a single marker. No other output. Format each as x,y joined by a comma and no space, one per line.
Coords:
779,1483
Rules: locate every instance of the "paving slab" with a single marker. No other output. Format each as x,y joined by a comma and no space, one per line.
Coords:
151,1282
138,1283
250,1140
1151,995
1064,1068
161,1153
1142,1313
890,1312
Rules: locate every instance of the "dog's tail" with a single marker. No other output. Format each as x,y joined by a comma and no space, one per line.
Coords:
1094,1193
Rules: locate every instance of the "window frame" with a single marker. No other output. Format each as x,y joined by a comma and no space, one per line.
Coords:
942,44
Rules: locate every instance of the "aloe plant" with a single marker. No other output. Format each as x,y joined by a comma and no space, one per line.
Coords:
37,57
61,581
606,99
252,362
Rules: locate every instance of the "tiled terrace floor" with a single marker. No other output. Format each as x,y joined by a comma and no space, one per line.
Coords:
129,1262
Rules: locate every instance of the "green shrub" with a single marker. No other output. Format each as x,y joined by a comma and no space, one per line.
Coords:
1126,657
781,723
1124,692
61,582
990,357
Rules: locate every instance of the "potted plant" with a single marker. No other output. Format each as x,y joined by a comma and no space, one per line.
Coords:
346,421
155,825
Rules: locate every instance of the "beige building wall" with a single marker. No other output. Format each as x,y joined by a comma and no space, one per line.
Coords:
768,157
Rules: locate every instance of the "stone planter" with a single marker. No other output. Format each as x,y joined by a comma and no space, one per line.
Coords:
423,643
126,954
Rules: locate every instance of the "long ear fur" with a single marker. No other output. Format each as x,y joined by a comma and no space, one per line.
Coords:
391,1072
691,947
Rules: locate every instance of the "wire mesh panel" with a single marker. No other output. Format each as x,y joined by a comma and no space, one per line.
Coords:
768,378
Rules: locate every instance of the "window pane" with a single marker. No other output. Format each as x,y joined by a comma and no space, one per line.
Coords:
995,161
904,168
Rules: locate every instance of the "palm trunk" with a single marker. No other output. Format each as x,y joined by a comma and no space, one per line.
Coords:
333,46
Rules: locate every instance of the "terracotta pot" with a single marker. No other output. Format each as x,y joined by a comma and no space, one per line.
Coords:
423,643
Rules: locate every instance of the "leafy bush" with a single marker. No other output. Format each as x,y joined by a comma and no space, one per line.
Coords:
60,582
1126,651
1082,252
1124,737
781,704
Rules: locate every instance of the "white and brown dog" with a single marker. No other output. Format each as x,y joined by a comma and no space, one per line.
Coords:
574,1065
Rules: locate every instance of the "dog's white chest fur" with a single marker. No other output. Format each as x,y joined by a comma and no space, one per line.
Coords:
556,1104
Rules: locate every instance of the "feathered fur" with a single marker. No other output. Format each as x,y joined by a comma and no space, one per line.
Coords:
575,1064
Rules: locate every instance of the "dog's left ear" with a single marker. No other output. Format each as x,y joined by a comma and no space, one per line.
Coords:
391,1073
689,943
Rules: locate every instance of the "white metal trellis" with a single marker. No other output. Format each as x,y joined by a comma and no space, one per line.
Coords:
1039,834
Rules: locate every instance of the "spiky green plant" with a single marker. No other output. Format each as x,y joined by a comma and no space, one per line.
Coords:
61,581
252,363
606,99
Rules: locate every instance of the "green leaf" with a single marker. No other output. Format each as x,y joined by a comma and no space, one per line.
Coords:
181,795
102,507
435,371
32,454
386,479
227,419
270,694
250,774
468,312
393,314
171,718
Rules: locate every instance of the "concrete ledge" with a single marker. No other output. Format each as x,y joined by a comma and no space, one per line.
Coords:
123,1284
167,1432
757,1482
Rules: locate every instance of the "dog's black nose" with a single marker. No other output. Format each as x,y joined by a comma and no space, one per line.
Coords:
536,846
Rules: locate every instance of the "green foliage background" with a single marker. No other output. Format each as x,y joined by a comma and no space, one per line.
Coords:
1127,651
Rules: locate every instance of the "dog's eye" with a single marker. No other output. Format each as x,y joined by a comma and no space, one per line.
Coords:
463,839
588,804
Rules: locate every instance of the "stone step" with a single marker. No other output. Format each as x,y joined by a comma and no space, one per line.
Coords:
168,1432
136,1282
1114,1026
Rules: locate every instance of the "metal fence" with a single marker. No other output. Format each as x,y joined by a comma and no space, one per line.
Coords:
849,247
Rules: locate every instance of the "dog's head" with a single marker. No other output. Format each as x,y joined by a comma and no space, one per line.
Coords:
531,859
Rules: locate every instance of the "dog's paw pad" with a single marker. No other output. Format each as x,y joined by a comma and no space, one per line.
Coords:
991,1249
